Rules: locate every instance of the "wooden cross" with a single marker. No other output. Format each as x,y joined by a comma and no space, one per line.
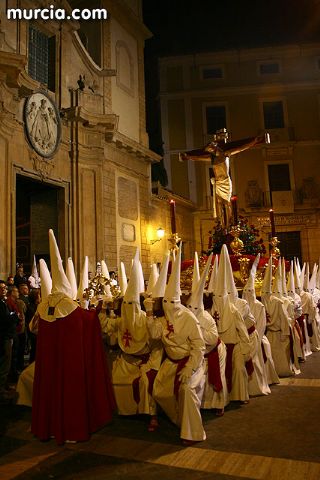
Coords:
127,337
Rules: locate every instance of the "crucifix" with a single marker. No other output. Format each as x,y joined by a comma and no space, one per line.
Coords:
218,152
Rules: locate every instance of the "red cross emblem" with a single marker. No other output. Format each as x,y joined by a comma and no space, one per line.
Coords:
169,328
268,317
216,316
127,337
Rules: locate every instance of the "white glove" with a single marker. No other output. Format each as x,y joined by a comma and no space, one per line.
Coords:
185,374
148,304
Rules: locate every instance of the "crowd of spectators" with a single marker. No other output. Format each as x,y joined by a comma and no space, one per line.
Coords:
18,304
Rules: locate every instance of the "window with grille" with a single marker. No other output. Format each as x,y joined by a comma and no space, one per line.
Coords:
41,61
215,118
273,115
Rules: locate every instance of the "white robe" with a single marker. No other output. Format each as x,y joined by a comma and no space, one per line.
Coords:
181,337
134,341
212,398
232,330
278,333
25,386
310,312
258,384
259,313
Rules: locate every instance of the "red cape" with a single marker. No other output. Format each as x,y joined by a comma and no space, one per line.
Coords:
72,392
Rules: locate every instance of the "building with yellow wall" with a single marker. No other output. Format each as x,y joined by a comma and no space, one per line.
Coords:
249,92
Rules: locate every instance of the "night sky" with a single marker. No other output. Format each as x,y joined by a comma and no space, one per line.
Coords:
190,26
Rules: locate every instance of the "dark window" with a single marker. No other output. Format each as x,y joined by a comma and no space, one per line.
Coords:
216,118
42,57
279,177
268,68
215,72
273,115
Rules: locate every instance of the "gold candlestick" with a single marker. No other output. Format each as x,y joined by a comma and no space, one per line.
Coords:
236,244
275,251
174,241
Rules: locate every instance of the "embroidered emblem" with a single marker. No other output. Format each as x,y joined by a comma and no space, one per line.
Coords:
169,328
216,316
127,337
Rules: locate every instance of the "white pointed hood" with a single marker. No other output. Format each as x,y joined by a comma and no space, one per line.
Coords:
231,286
60,283
266,288
34,278
290,284
84,282
160,286
140,271
173,292
153,278
220,292
123,282
297,278
313,279
72,278
46,281
302,275
249,292
104,270
306,282
297,263
59,303
195,302
213,277
277,282
318,276
284,283
133,291
196,272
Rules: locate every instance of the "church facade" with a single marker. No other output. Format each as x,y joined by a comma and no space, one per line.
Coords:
74,148
249,92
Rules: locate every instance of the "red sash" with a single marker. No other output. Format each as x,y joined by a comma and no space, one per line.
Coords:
249,367
181,363
230,347
151,374
299,332
301,325
309,327
251,329
214,376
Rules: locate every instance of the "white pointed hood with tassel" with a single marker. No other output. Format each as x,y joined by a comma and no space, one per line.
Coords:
249,292
140,271
231,286
59,303
153,278
34,278
123,282
297,282
160,286
72,278
302,275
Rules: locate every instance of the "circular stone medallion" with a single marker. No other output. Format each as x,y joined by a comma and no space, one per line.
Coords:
42,124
